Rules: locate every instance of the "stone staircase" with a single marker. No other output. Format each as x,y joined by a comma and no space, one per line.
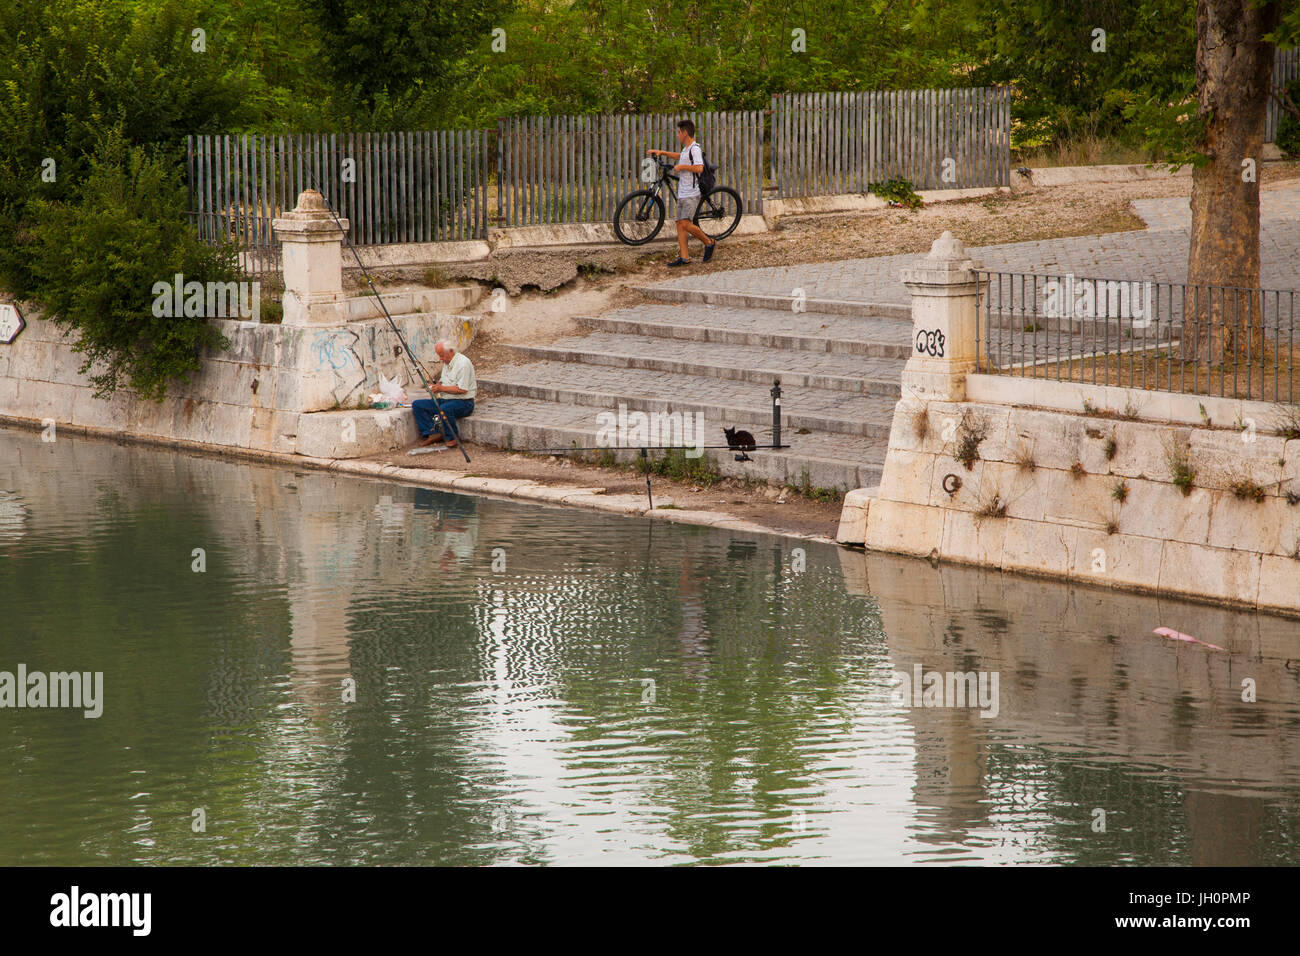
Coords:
839,378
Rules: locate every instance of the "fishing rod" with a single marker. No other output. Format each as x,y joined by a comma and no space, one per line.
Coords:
556,451
410,355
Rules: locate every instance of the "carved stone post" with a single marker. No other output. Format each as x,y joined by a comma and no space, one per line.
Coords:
312,263
945,345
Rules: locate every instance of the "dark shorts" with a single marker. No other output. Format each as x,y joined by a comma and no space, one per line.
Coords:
686,208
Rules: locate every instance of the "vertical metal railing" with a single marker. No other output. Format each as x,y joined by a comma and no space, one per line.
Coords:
1197,339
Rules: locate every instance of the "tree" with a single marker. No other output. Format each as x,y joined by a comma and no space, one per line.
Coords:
382,48
1234,69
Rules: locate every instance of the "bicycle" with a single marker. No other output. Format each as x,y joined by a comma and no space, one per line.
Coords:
640,214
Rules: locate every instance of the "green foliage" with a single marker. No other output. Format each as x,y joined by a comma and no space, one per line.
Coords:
95,260
73,69
1065,85
387,53
1288,128
675,464
896,190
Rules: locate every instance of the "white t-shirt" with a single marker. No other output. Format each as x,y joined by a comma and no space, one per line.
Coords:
688,183
460,372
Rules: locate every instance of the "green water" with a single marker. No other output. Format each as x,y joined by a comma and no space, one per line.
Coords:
503,656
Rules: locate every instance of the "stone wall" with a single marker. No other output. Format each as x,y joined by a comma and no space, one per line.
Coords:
274,389
1156,492
295,387
1074,496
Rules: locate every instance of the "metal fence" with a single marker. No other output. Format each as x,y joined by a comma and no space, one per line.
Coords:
424,186
826,143
1286,67
556,169
1165,336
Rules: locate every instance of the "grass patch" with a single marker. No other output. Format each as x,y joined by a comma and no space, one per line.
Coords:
675,465
1159,369
810,491
1084,149
1120,491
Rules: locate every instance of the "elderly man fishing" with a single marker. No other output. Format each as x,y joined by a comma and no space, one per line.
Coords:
456,388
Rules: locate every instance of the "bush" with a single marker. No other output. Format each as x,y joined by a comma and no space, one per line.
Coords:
95,261
1288,127
74,69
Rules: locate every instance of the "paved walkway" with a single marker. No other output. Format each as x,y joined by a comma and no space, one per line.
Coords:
1157,253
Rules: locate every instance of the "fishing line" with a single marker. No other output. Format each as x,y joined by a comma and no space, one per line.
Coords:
410,355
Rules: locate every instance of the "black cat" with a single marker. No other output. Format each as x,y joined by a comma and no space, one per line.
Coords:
739,440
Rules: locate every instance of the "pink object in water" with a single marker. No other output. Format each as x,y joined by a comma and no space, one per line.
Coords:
1173,635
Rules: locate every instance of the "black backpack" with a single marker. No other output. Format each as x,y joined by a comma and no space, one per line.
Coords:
708,179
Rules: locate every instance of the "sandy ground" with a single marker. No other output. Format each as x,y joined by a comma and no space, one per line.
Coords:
548,288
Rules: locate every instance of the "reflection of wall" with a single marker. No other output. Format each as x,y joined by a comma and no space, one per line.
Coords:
317,533
1080,668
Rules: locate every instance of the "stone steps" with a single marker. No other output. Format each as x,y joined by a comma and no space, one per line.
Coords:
778,303
739,403
763,328
839,371
830,460
746,363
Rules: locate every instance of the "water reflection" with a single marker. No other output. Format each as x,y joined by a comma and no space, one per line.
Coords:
541,685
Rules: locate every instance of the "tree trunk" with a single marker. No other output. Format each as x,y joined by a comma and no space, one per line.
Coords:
1234,69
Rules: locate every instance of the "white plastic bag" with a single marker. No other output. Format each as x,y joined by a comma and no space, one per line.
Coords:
391,391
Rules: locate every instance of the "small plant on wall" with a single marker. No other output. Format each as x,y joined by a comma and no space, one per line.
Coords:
921,424
1120,491
1246,489
1179,461
1025,458
995,507
970,433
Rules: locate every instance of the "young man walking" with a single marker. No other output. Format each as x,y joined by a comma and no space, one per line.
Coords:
690,163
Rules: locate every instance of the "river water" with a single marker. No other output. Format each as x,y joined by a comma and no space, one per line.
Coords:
539,685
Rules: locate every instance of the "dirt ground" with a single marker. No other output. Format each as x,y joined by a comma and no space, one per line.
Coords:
547,288
781,509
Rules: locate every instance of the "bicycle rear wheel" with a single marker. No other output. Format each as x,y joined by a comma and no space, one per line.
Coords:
719,212
639,217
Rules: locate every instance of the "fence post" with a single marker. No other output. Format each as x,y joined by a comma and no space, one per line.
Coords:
944,288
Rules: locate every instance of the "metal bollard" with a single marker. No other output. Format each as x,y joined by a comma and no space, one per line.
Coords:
776,413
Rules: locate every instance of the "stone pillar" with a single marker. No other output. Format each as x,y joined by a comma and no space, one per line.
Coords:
944,344
312,263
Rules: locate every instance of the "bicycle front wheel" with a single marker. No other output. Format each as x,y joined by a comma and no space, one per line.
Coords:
719,213
639,217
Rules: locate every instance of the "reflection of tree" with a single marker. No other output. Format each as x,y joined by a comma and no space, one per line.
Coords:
777,653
